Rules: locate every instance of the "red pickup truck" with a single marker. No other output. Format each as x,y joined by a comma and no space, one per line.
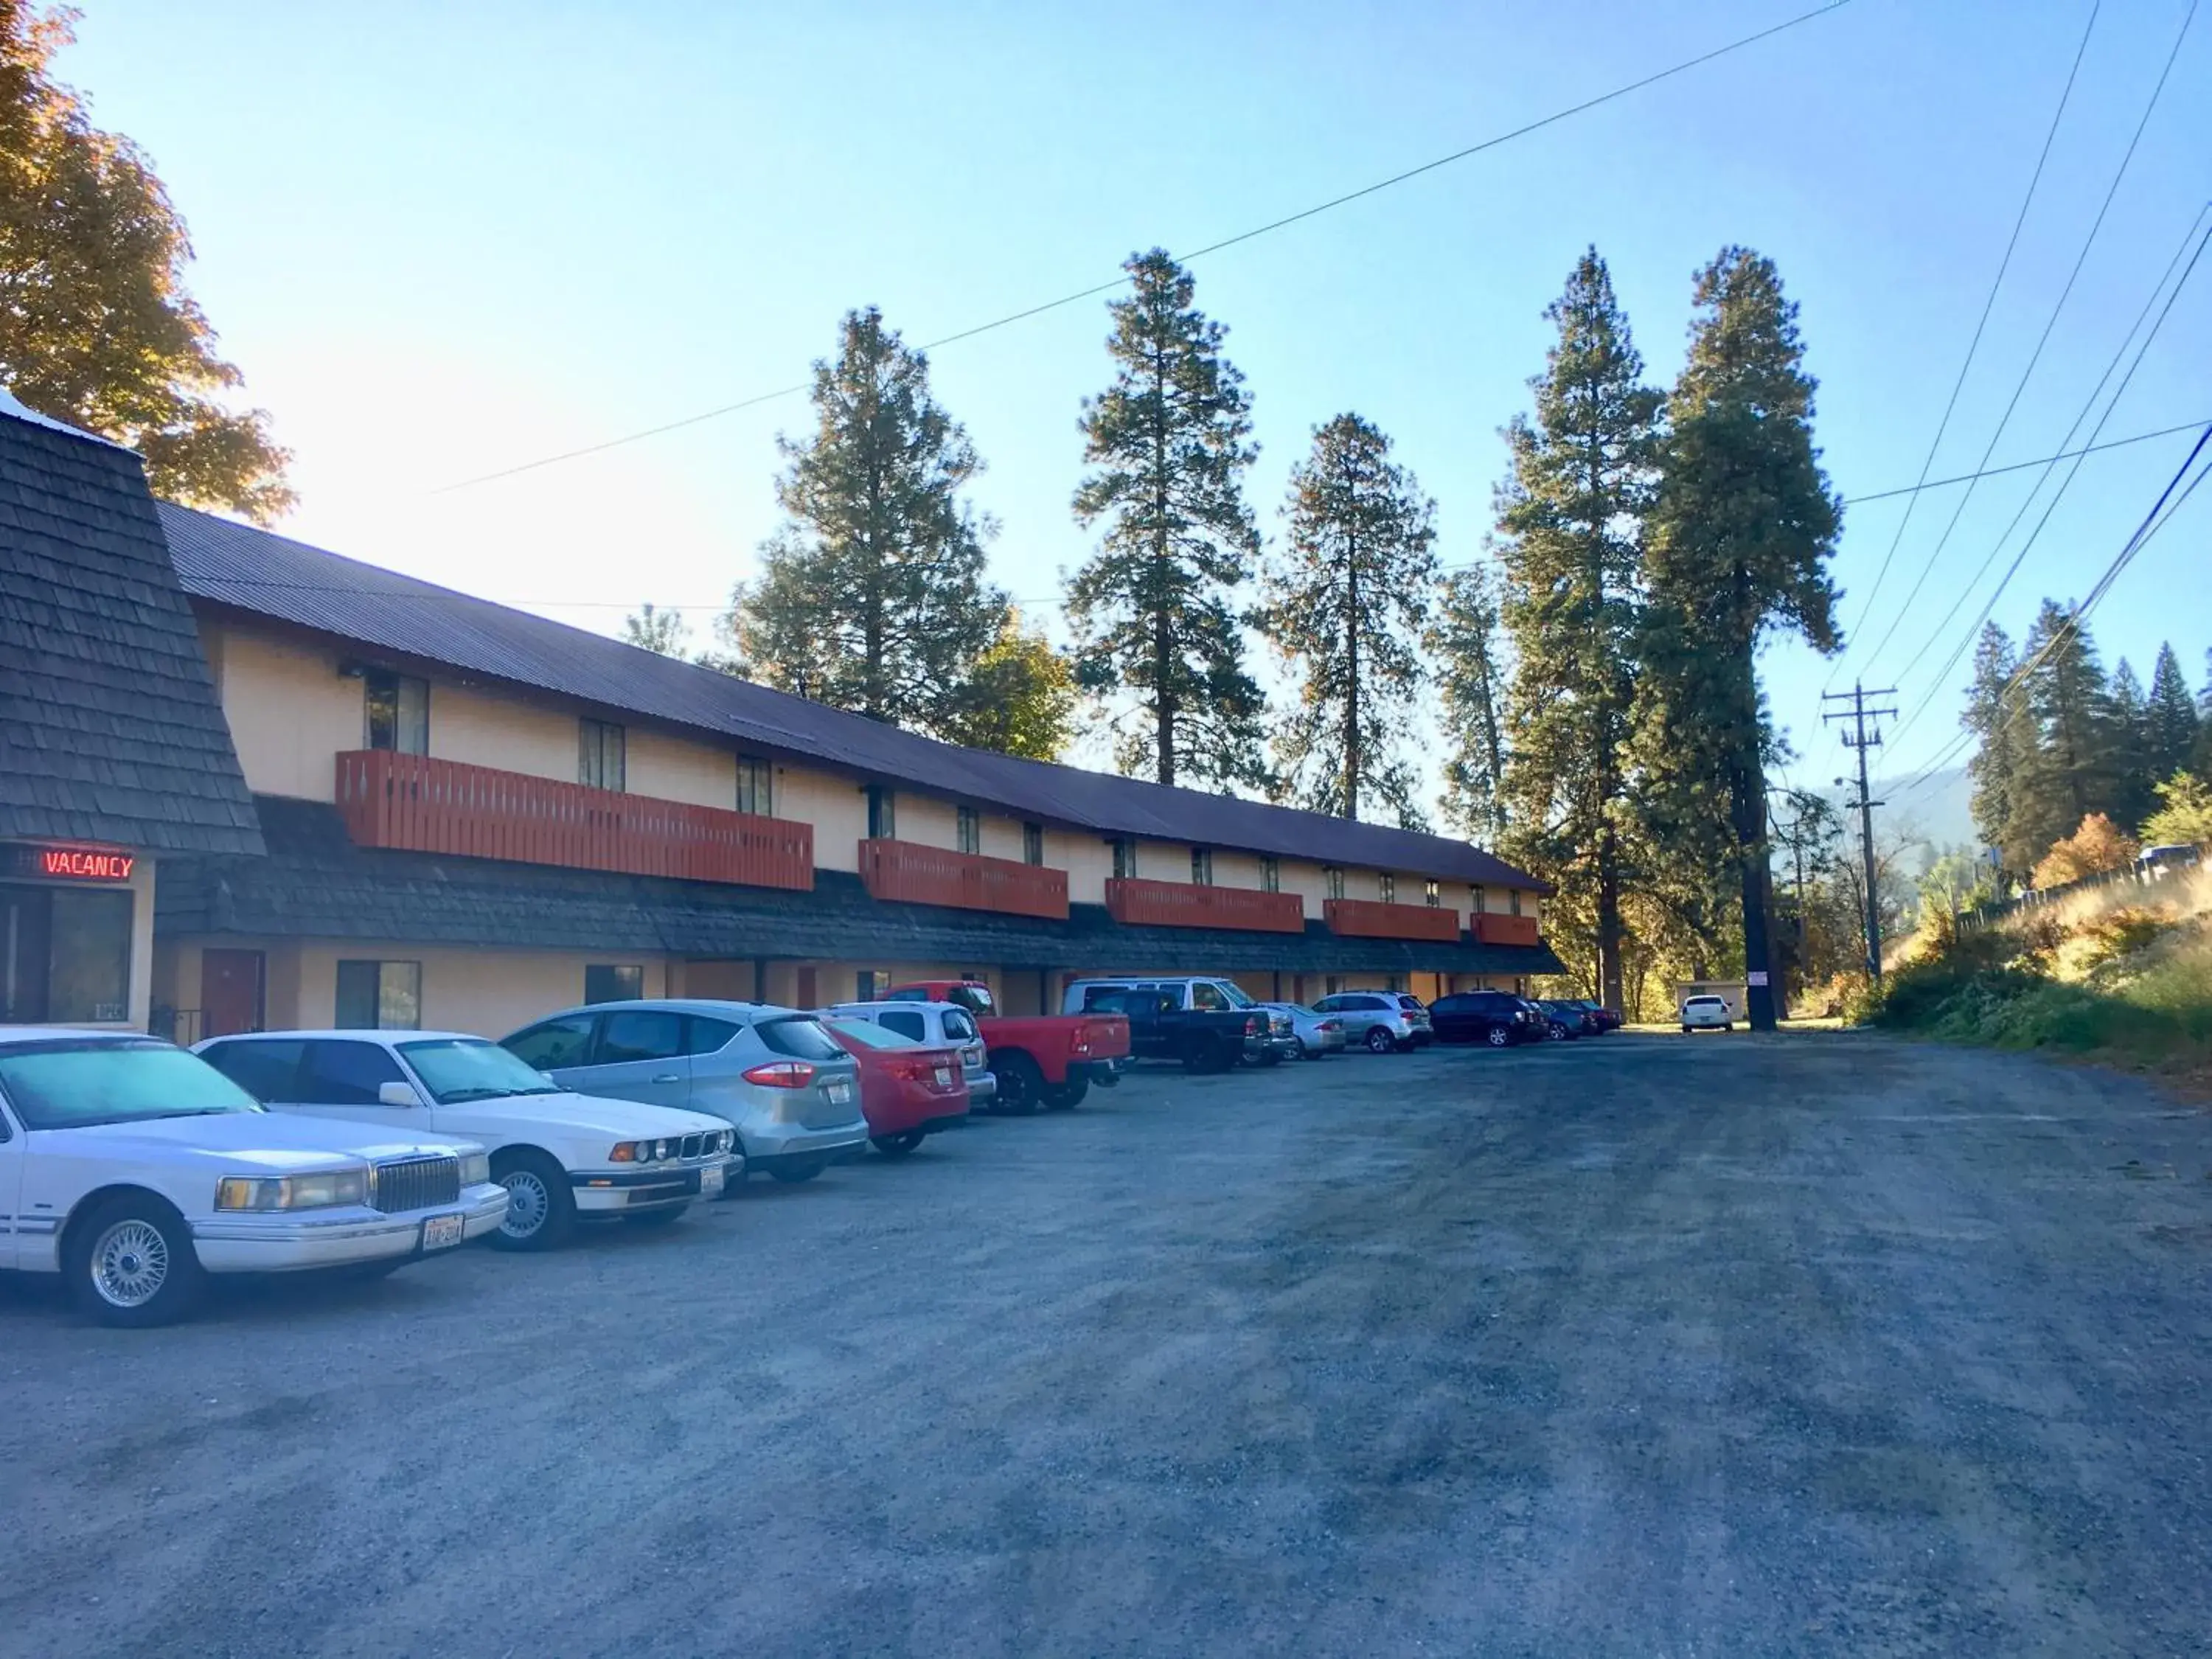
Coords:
1040,1059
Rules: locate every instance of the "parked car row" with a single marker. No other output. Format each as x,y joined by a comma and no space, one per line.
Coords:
135,1171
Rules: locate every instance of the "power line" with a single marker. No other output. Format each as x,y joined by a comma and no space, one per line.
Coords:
2040,460
1988,304
2065,483
1092,292
2035,356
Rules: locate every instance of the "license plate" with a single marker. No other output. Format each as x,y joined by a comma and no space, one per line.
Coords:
710,1180
441,1233
839,1093
943,1078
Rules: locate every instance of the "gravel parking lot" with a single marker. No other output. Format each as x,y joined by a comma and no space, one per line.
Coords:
1646,1346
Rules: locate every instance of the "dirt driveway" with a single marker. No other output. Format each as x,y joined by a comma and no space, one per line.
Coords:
1646,1346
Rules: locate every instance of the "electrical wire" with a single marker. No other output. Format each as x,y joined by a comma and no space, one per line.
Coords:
1096,289
2103,208
1989,304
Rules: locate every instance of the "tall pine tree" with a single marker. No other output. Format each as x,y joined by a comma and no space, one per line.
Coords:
1154,611
1740,535
2173,717
1464,641
2005,737
2128,748
1346,601
1569,540
2067,772
872,597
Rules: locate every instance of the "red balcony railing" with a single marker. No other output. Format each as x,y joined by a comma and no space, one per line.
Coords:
418,804
1371,919
1182,904
907,871
1505,930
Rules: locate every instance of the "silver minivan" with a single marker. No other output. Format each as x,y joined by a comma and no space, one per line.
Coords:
786,1086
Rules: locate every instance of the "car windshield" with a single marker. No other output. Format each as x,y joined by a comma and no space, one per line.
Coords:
975,998
1235,995
869,1035
73,1085
455,1070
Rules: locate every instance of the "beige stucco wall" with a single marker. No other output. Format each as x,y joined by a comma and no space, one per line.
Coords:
290,711
834,806
1088,859
678,769
485,728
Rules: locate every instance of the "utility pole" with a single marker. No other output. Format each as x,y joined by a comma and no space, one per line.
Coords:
1856,736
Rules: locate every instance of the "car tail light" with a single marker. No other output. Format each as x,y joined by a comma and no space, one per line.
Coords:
1332,1025
1251,1028
782,1074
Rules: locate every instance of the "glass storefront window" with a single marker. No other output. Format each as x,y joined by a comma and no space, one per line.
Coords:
64,955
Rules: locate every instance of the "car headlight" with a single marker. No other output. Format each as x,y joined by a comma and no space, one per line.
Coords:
476,1168
724,1140
305,1192
629,1151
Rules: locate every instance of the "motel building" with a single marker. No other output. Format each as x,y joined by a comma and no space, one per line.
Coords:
437,811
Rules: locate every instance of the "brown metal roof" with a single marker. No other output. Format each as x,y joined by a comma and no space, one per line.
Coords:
221,563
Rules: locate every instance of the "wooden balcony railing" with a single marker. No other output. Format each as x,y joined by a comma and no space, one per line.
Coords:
1504,930
914,874
418,804
1185,904
1371,919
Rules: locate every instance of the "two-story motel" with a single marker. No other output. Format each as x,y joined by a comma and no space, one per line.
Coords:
469,815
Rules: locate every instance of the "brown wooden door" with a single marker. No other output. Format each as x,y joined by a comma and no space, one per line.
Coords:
806,988
231,984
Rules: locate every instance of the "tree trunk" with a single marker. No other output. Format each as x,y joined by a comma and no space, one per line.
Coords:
1351,677
1747,799
1163,701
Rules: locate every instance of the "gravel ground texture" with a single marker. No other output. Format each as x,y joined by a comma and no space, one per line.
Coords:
1649,1346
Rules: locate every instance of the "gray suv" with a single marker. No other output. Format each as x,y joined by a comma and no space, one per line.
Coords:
1381,1021
786,1086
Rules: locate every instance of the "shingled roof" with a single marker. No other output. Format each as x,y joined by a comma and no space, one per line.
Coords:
316,883
109,727
237,565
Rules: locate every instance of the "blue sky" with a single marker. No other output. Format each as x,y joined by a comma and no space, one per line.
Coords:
442,240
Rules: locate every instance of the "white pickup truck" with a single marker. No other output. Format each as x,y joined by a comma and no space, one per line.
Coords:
135,1170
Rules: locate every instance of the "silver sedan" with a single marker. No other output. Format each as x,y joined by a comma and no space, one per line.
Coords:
1318,1034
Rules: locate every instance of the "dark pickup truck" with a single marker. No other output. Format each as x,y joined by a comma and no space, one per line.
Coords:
1203,1039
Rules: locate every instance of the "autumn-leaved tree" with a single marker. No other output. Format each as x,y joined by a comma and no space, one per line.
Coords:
1347,599
1019,698
1156,611
1466,646
96,327
1740,536
2097,845
1570,536
871,596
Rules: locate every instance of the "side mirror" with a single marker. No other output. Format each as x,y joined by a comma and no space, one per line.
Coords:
396,1093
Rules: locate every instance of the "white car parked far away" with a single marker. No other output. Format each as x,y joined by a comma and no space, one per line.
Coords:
135,1170
562,1158
1706,1014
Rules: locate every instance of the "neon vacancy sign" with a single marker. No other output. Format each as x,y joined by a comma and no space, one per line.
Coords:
67,863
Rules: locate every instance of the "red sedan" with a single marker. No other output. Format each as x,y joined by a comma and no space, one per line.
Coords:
908,1091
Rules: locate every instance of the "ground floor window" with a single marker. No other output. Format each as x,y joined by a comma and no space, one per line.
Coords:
614,981
64,955
380,996
868,984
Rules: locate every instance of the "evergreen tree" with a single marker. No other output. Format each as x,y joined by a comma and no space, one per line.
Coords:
1463,640
2173,717
1019,698
1569,522
2006,735
2128,747
1740,535
872,597
1345,603
1154,609
2067,773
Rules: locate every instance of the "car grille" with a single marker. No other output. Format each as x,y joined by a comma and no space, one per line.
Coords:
416,1183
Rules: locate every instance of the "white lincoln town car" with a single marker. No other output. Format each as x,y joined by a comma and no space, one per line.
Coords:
135,1170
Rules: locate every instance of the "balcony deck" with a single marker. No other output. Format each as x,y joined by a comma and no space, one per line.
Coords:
1134,900
1372,918
914,874
412,802
1505,930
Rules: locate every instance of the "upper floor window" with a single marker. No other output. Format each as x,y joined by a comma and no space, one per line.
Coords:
1513,901
1271,875
755,787
1033,843
883,813
1201,866
398,712
1386,887
1332,881
1125,858
1478,900
1432,895
600,754
969,828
